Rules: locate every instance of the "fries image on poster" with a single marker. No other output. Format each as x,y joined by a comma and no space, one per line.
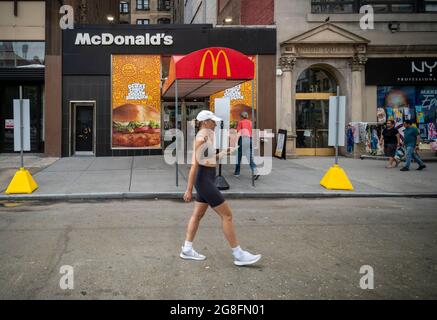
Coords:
136,96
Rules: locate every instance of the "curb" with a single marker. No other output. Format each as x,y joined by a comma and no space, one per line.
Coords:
231,195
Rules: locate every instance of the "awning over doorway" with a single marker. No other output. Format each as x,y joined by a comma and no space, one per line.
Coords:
207,71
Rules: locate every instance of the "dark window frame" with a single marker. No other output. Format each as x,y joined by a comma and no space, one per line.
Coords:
142,21
163,19
124,5
328,6
141,5
164,5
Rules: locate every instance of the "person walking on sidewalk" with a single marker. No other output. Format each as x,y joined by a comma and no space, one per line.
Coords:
411,142
244,129
201,176
391,140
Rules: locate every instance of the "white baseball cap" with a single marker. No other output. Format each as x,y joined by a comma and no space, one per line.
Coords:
207,115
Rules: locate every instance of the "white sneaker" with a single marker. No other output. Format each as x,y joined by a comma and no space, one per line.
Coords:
191,255
247,258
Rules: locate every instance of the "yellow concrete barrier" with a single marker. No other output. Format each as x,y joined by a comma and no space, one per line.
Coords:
336,179
22,182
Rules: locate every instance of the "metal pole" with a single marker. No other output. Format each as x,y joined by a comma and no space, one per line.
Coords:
253,127
21,127
337,123
176,130
221,146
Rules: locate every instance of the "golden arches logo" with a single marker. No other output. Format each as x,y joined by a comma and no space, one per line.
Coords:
215,61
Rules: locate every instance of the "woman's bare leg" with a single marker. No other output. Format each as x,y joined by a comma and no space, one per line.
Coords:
193,224
225,213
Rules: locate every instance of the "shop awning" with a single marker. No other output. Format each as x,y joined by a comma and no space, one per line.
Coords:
207,71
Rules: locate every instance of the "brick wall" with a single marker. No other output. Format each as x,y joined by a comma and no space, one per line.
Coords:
255,12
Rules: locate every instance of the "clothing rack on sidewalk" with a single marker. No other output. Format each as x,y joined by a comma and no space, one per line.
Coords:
366,137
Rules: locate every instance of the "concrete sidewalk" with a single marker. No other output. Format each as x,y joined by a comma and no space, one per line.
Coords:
151,177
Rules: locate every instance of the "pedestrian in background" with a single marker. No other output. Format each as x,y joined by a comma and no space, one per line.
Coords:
411,142
391,140
244,130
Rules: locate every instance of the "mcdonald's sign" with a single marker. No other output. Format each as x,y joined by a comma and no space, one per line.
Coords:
215,63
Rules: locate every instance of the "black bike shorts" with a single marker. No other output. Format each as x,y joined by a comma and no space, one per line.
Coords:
206,190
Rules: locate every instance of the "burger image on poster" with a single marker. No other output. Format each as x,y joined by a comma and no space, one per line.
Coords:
135,126
222,110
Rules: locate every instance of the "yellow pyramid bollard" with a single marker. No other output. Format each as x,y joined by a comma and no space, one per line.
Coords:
336,179
22,182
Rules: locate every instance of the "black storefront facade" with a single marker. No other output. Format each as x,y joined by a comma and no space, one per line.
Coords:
87,82
22,65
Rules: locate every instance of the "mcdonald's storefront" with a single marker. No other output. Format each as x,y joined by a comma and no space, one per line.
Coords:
113,77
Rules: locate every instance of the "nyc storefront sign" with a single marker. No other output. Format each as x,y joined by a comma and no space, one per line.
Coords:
402,71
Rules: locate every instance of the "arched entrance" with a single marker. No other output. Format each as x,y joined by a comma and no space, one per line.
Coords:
313,88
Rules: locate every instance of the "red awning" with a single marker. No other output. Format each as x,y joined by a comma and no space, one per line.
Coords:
207,71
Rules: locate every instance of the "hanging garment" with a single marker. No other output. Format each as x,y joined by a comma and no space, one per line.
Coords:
407,114
432,133
398,116
389,112
356,132
350,139
423,129
420,117
374,141
413,114
380,115
364,134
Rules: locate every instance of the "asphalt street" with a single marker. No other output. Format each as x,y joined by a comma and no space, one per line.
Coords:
312,249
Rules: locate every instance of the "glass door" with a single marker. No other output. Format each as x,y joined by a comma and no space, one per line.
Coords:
186,112
313,89
312,121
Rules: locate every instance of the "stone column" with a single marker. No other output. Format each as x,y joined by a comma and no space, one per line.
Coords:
287,109
358,95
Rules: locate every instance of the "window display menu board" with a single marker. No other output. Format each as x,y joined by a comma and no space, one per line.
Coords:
415,103
136,102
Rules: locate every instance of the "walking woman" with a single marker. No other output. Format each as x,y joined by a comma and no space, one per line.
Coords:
202,176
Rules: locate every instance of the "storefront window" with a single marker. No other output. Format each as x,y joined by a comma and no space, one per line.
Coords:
379,6
415,103
21,54
336,6
430,5
7,95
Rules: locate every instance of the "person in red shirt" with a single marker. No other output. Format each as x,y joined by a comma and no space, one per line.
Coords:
244,129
